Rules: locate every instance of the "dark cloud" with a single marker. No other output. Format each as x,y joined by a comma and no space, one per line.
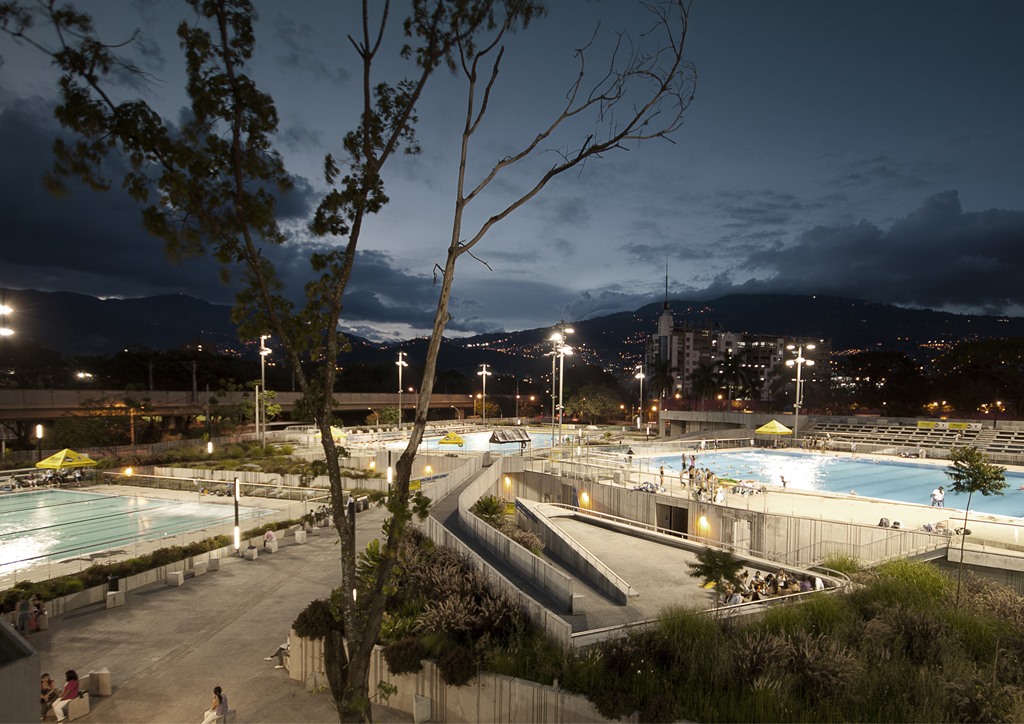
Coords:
937,256
295,38
299,138
605,301
877,173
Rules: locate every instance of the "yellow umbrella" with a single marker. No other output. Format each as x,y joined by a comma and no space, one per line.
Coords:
66,459
773,428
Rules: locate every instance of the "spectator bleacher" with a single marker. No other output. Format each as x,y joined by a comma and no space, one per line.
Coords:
894,438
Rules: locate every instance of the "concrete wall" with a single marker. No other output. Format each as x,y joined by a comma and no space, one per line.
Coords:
555,626
539,572
797,541
425,696
576,556
19,677
97,594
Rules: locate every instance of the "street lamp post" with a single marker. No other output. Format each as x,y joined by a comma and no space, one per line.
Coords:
261,409
799,362
640,376
5,331
458,412
558,349
375,415
238,530
562,352
484,373
401,363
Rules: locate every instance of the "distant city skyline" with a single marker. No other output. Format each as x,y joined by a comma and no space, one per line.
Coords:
869,151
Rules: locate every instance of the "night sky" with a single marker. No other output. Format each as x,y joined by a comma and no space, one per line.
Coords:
871,150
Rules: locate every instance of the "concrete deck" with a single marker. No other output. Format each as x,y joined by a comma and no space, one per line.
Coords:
169,646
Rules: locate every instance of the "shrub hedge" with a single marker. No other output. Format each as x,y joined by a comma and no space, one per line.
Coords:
99,573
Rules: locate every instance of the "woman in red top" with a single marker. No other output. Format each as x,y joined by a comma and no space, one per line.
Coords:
70,692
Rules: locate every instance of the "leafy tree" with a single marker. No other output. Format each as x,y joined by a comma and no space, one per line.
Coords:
595,403
869,379
383,416
209,182
970,472
493,410
977,373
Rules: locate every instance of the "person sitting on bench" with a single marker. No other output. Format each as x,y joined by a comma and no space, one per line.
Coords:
70,692
281,652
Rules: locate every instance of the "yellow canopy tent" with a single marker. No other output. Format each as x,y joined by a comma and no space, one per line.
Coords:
773,428
451,439
66,459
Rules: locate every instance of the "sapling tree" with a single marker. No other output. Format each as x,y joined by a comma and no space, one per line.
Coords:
970,472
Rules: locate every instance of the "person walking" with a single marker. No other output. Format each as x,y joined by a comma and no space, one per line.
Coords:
218,707
939,497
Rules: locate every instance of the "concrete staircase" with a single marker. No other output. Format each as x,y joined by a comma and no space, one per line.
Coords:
984,438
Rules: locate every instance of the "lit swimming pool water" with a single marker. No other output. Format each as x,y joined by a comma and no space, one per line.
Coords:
890,480
480,442
52,525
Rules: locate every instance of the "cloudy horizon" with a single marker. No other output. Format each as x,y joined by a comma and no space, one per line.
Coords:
867,151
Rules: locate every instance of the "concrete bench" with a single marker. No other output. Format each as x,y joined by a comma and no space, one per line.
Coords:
251,554
100,683
300,536
270,546
176,578
114,599
229,716
213,564
199,569
78,707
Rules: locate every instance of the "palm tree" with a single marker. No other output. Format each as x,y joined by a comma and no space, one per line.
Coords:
731,374
661,377
703,382
717,567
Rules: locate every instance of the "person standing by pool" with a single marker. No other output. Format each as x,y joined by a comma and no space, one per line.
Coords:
783,479
939,497
661,477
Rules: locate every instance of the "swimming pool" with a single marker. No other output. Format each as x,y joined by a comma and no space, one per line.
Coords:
53,525
479,442
890,480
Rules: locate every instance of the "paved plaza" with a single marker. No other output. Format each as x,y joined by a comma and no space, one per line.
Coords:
169,646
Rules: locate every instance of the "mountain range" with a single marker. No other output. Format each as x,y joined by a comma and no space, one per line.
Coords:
80,325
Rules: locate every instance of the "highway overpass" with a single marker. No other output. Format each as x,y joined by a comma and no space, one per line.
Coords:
39,405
